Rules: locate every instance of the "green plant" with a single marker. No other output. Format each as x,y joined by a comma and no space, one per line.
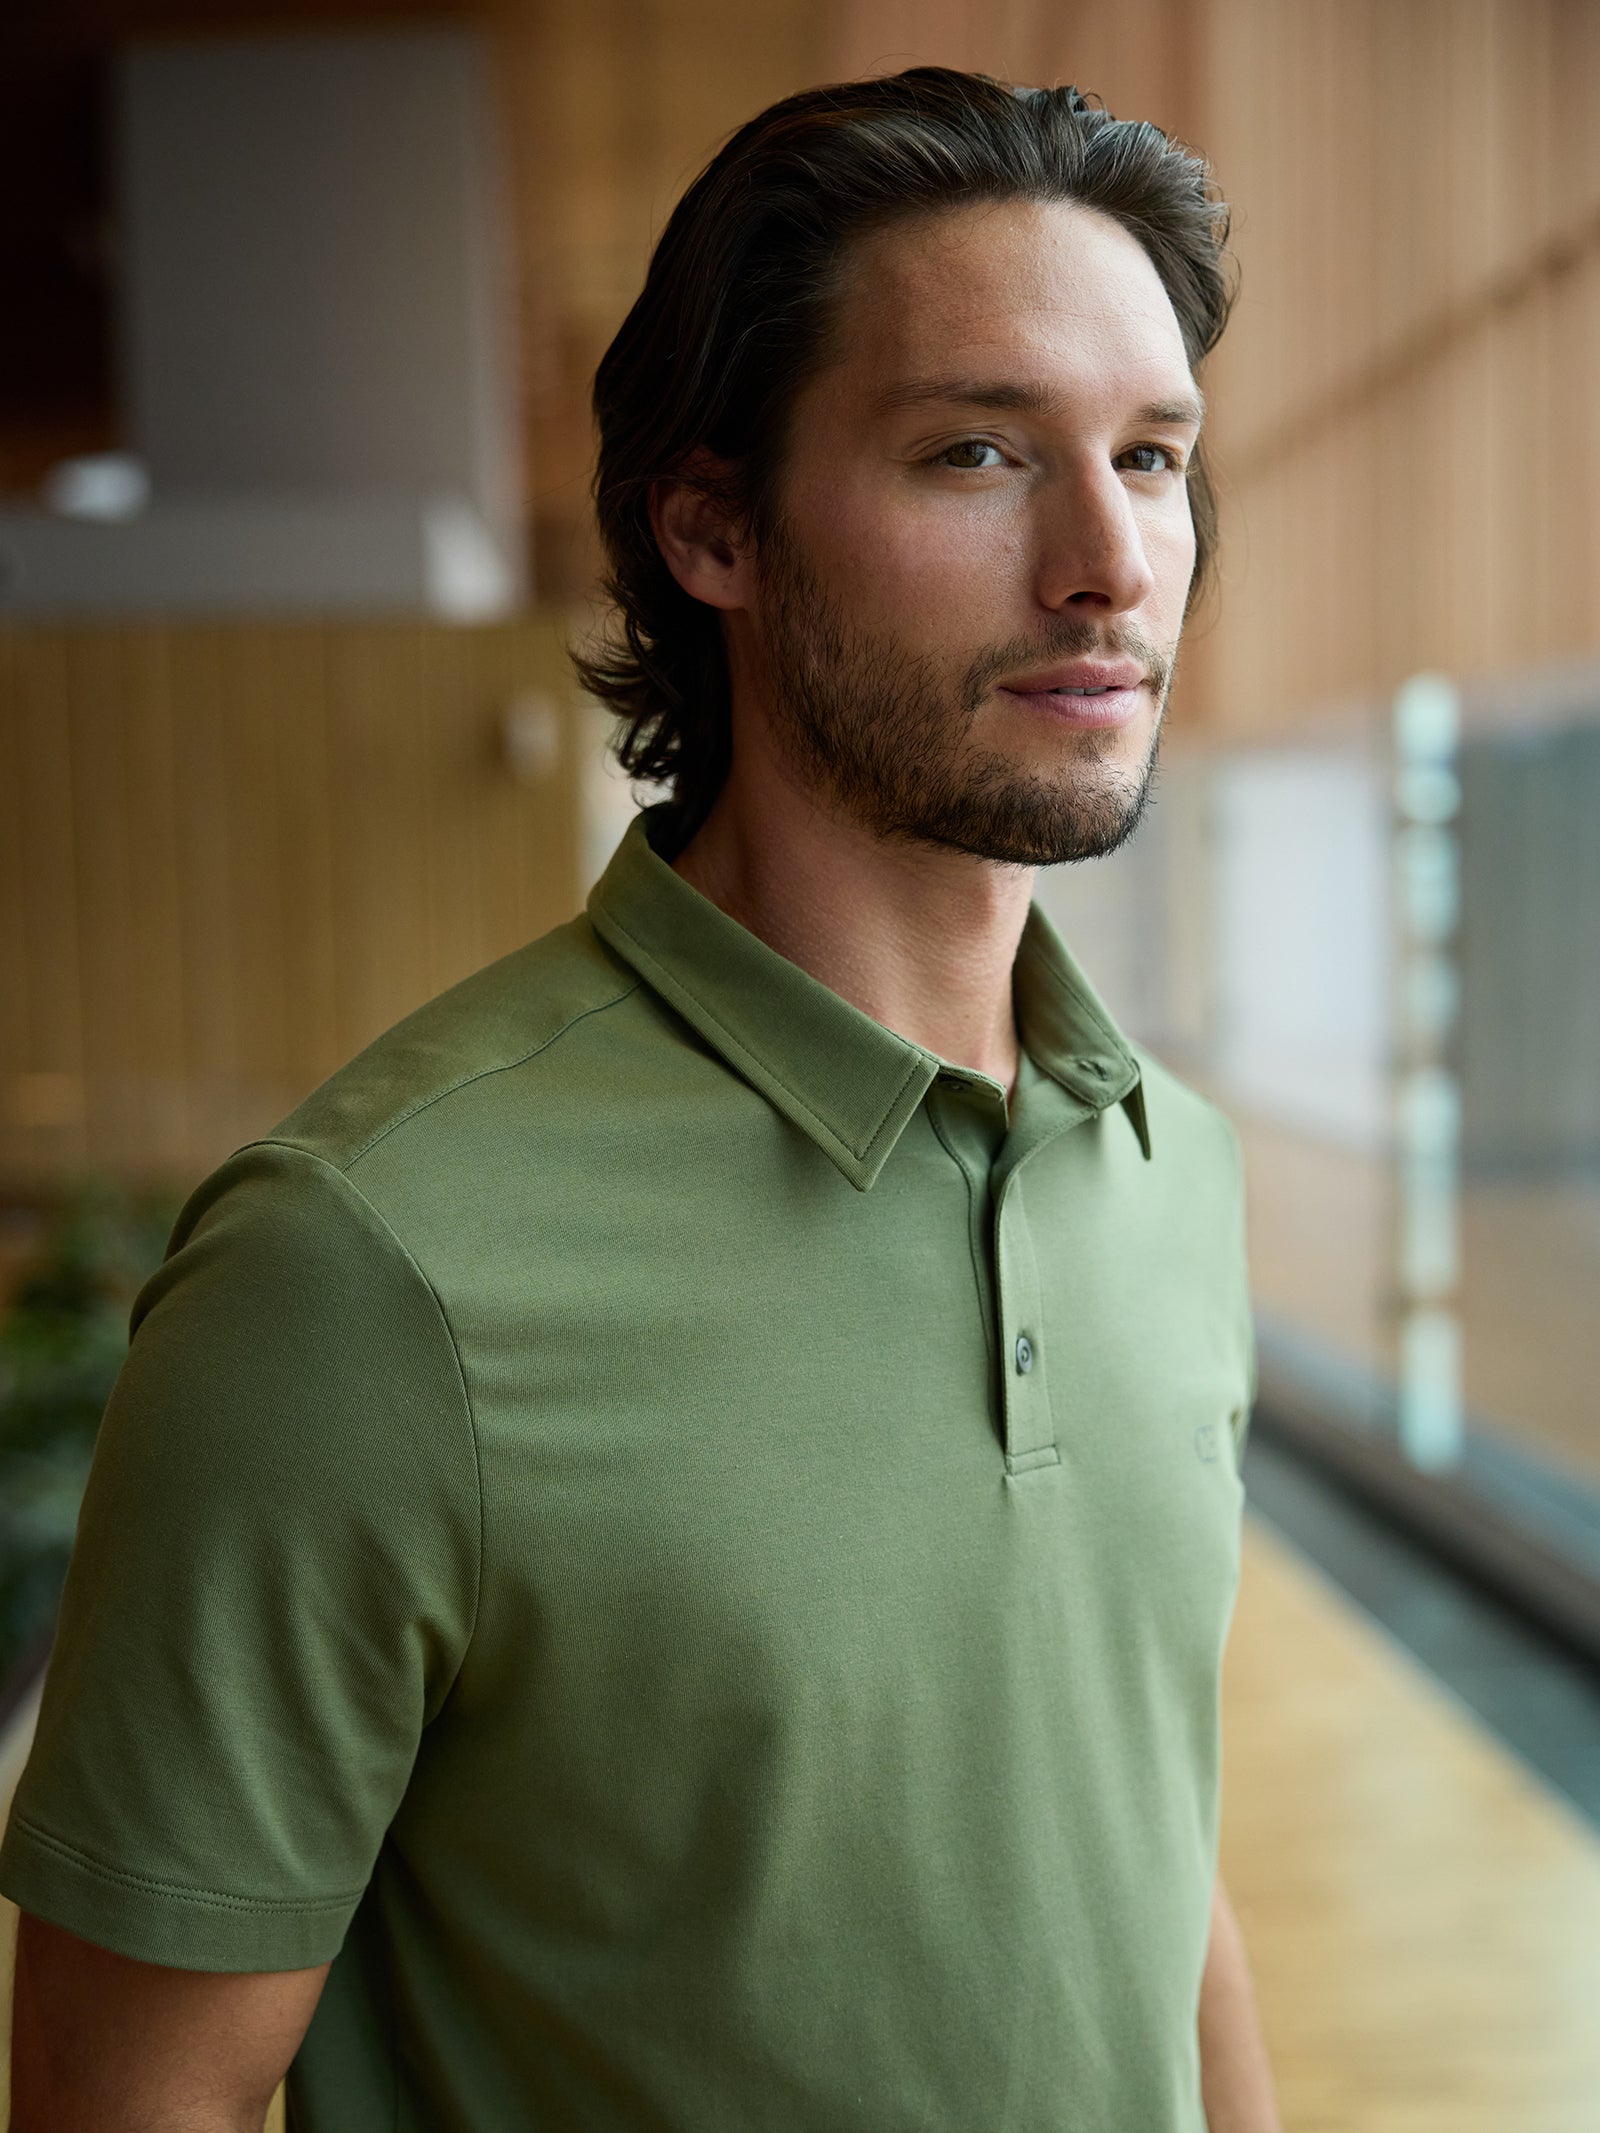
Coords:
63,1335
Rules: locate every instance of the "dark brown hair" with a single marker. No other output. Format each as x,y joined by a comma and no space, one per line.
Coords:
733,319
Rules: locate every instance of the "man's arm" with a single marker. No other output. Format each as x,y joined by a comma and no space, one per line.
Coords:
1235,2079
103,2044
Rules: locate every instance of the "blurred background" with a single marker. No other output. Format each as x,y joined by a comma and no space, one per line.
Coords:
299,305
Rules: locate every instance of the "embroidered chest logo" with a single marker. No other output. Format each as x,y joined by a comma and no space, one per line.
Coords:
1205,1442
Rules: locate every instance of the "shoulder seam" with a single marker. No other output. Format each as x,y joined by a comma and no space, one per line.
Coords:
462,1081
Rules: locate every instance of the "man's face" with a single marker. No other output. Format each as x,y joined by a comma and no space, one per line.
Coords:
970,603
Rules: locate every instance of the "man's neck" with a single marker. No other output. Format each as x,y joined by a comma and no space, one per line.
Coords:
921,939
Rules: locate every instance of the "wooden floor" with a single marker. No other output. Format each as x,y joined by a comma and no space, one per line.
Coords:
1423,1917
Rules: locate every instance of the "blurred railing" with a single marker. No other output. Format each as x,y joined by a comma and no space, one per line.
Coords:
1375,946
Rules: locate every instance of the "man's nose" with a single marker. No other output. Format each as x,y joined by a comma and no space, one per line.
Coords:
1091,551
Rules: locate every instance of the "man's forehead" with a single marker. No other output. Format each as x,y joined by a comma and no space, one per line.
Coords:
1024,290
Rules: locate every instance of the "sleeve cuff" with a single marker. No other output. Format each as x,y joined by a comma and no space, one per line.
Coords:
155,1922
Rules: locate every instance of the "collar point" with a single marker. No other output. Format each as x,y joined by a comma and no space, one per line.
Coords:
1138,1117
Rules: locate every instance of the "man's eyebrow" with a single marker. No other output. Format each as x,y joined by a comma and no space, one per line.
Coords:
1020,399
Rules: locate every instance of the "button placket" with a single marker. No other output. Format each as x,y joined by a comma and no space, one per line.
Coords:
1029,1423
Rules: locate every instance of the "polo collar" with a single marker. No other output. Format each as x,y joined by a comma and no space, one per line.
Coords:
845,1080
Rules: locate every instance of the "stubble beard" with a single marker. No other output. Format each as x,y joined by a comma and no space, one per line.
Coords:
878,733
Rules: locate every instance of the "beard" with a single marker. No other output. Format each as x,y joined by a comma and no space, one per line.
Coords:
879,731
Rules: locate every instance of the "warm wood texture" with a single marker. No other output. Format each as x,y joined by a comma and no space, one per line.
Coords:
231,856
1423,1918
1405,402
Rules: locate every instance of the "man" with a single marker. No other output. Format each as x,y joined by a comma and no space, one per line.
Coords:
661,1555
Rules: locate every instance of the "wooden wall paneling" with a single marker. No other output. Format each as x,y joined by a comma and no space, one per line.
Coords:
482,818
1438,520
1320,166
1277,208
1472,534
1349,589
239,853
1572,441
1415,211
1529,580
1409,444
459,795
249,705
1574,136
1218,92
105,792
303,773
1326,626
501,815
882,36
1033,45
532,859
215,981
425,766
1272,213
1130,55
1136,55
1295,205
449,737
1461,174
1503,340
1525,210
378,832
1429,123
1350,185
735,60
1250,632
40,1003
153,917
1241,134
1399,158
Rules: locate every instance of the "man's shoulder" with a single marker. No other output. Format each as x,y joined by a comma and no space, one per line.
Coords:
509,1015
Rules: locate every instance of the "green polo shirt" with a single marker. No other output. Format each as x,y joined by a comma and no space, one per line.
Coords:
688,1552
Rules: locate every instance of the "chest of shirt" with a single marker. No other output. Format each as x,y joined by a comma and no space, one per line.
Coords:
730,1408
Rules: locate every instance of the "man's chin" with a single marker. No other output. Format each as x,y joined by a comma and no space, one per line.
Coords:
1020,831
1033,823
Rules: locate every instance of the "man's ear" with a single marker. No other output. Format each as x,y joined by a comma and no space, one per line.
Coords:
703,541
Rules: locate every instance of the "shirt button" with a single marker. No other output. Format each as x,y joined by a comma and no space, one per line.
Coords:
1024,1355
954,1084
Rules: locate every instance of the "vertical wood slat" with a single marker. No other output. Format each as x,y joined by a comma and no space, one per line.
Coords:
1395,502
208,944
234,854
41,1025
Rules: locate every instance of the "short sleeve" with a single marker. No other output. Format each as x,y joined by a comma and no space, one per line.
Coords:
271,1591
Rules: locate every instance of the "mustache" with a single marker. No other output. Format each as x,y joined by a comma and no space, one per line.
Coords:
1071,638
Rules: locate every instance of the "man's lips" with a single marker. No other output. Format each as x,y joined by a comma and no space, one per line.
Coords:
1079,677
1084,692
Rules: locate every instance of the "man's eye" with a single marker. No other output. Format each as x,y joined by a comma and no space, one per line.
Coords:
1154,459
965,454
